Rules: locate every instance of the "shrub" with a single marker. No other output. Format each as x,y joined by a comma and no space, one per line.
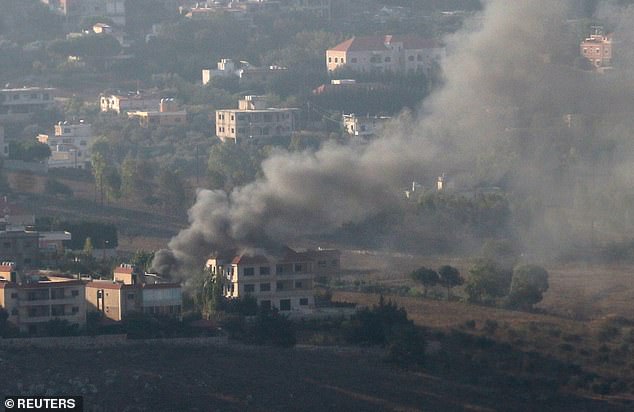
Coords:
608,331
271,328
490,326
470,324
374,326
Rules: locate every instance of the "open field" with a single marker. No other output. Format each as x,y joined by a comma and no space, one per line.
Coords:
237,378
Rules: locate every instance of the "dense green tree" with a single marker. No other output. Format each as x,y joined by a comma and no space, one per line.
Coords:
112,181
171,190
99,167
142,260
29,151
487,281
449,277
426,276
528,285
232,165
93,45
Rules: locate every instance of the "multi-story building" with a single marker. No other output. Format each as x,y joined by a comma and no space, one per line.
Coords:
598,49
252,122
70,145
167,115
404,54
21,246
133,292
284,282
120,103
19,105
34,300
365,126
243,70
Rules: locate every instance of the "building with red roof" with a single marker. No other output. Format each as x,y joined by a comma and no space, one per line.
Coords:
389,53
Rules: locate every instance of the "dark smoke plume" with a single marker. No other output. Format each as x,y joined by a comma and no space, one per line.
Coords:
508,83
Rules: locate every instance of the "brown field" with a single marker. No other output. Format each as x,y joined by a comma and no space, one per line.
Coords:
236,378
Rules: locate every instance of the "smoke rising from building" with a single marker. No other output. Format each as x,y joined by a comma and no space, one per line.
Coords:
499,117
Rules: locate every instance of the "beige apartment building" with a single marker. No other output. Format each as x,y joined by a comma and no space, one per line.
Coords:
285,281
133,292
381,54
34,300
253,122
120,103
168,115
598,49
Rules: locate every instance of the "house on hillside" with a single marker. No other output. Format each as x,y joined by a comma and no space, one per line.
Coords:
32,300
132,291
284,280
385,54
254,122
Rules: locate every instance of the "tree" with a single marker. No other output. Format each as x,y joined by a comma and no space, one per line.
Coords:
88,247
171,190
29,151
449,277
528,285
143,260
487,281
427,277
99,168
113,183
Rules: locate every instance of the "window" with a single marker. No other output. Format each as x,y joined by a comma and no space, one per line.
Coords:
75,293
299,284
130,296
279,269
299,267
14,295
82,143
303,301
14,312
66,130
57,293
329,59
419,57
249,288
285,304
410,58
388,59
265,270
7,245
33,96
265,287
265,304
353,60
249,271
57,310
75,309
232,117
279,286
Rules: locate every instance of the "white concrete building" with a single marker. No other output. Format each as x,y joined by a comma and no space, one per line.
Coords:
70,145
